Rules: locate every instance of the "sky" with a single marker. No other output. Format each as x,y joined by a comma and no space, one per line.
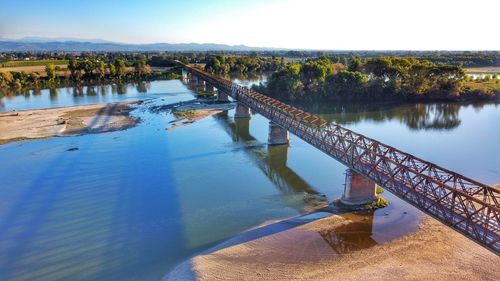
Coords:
293,24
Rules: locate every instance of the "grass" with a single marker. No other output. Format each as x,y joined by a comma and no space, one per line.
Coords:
184,114
16,63
379,190
486,87
380,203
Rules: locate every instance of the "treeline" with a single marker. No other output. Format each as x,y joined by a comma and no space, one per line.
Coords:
89,71
382,78
465,59
242,65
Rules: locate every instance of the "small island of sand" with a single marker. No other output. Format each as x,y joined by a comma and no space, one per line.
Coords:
67,121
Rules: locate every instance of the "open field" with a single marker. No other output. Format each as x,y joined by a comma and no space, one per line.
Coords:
492,86
484,70
14,63
29,69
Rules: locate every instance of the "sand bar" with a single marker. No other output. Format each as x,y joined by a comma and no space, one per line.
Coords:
65,121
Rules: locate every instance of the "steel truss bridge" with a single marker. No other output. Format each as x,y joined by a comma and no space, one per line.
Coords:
466,205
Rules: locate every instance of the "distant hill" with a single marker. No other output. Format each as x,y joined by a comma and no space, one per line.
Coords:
39,44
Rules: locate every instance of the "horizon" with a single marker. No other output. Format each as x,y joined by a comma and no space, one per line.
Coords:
41,40
319,25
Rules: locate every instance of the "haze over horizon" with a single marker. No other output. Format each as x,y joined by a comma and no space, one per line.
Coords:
316,24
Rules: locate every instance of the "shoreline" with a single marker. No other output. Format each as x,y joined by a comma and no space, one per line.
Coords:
317,250
65,121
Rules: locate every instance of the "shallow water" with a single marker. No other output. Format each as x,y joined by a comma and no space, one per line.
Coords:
130,205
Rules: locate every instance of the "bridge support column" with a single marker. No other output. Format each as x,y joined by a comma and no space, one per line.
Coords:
242,111
277,135
184,74
210,89
242,129
222,97
202,84
193,79
358,189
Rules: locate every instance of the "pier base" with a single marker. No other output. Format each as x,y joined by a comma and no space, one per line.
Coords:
242,111
277,135
358,189
222,97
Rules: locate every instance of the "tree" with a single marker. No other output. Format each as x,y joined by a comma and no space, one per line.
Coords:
51,72
348,84
72,66
354,64
6,79
89,66
101,69
112,70
285,84
35,78
120,67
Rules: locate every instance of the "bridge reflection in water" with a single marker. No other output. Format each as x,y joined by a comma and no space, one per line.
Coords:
271,161
364,230
353,236
466,205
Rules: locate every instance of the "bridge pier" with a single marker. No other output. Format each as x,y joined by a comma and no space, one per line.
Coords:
221,96
277,135
202,85
358,189
209,89
242,111
193,79
242,129
184,74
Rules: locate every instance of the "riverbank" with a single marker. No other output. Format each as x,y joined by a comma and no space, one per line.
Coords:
318,251
66,121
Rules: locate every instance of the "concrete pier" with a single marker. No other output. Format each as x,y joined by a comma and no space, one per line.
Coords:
242,111
184,74
222,97
358,189
277,135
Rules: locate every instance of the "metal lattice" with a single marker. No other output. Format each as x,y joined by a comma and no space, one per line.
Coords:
466,205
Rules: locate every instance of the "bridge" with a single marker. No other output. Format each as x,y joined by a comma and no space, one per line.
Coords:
466,205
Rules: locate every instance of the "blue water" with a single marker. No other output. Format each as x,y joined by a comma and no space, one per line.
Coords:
130,205
70,96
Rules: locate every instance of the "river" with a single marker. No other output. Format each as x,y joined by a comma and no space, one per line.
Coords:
130,205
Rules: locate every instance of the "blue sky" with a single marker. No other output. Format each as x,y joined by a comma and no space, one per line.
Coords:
311,24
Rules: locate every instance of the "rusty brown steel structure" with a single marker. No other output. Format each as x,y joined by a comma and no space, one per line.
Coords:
464,204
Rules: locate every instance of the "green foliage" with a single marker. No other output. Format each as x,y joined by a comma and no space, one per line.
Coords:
6,79
379,190
286,84
379,203
346,84
249,64
82,70
184,114
120,67
355,64
51,72
376,78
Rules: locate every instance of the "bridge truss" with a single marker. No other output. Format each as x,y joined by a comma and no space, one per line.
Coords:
465,205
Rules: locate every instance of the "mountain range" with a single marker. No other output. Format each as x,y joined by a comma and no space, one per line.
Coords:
42,44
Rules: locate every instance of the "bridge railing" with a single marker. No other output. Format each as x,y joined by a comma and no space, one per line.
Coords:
464,204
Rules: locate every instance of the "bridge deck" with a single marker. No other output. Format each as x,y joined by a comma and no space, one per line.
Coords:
466,205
